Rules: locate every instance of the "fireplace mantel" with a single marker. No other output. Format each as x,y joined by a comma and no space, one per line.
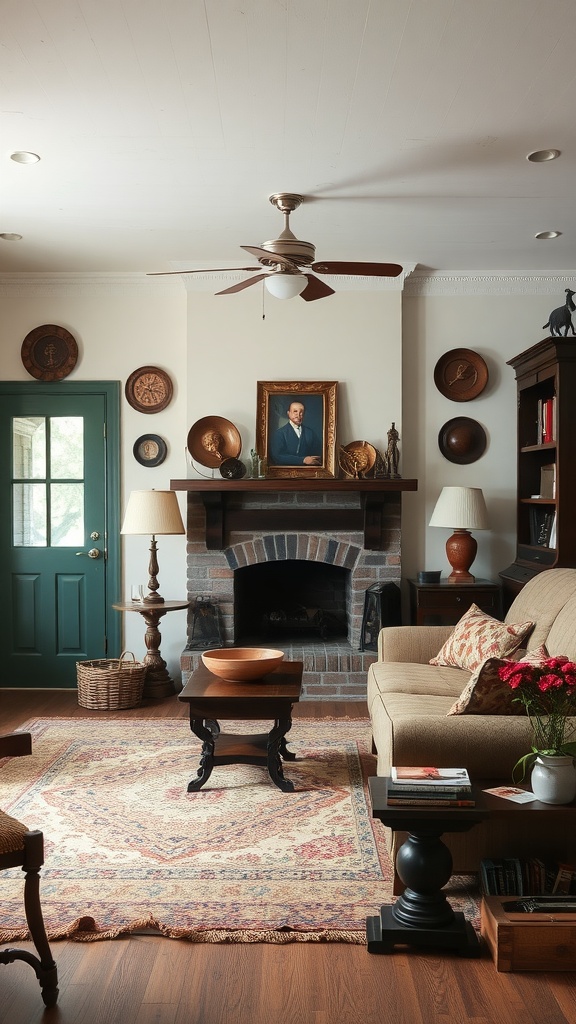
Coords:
221,519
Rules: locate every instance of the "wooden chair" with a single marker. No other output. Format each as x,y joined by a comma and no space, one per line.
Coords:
20,847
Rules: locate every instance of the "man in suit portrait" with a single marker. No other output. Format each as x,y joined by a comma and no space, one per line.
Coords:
295,444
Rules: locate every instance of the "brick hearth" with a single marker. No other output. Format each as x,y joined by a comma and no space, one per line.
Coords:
331,669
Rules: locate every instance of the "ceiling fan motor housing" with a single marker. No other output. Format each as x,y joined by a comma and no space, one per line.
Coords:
287,245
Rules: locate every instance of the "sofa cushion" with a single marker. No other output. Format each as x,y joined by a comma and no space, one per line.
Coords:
477,637
543,599
486,694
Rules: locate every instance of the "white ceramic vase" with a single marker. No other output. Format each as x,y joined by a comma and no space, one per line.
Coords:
554,779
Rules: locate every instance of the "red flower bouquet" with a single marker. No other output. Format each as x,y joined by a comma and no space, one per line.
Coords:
548,692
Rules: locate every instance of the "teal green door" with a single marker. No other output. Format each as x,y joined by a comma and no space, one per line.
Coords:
59,550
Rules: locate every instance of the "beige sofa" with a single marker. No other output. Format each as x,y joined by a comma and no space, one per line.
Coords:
409,700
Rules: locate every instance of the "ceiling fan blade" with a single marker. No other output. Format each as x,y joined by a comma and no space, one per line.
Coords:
241,285
168,273
273,257
315,289
359,269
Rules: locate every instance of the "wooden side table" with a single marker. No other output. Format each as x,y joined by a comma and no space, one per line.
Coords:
157,682
444,603
269,698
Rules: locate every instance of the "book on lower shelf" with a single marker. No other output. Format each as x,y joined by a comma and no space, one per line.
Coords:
528,876
441,800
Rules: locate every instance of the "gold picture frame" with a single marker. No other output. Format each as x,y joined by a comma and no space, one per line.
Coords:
279,444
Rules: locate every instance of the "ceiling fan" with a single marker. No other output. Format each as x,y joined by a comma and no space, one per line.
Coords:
288,262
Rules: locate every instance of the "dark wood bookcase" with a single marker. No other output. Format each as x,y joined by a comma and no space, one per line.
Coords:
546,441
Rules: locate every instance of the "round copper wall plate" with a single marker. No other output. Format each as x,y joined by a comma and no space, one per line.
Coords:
212,440
49,352
462,440
461,374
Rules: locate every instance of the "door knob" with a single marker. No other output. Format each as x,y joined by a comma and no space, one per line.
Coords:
93,553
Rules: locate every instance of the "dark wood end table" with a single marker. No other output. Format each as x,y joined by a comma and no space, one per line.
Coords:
444,603
422,915
271,698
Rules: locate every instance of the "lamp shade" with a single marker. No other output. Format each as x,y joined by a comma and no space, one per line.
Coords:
461,508
285,286
152,513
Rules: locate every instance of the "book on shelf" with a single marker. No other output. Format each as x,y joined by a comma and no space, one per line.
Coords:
529,876
417,790
546,426
442,800
542,526
548,480
407,776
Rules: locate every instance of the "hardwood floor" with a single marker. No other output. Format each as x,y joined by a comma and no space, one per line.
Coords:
150,980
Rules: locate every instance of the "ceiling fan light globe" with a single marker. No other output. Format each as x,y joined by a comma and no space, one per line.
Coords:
286,286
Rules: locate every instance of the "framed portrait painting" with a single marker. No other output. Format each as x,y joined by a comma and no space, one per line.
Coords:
296,427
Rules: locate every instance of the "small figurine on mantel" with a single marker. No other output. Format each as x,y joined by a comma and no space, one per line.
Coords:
562,317
392,455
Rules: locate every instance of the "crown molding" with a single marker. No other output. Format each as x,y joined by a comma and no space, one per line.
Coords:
413,283
422,283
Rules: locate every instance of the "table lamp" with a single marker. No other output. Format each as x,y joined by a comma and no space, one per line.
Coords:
155,513
461,509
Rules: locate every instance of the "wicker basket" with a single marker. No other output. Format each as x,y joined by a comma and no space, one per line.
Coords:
110,685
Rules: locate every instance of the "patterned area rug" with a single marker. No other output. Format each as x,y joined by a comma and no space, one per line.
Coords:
127,849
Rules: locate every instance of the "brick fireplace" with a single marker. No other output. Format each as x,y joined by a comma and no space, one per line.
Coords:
319,543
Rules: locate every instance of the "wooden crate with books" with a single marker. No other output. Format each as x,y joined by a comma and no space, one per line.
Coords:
530,934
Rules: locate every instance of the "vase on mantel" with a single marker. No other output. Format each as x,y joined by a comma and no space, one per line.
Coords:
554,779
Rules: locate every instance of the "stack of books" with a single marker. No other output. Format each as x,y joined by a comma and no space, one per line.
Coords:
430,787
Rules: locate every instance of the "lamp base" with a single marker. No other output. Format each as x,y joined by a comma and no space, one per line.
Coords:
461,550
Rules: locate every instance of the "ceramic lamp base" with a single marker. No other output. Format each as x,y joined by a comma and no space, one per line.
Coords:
461,550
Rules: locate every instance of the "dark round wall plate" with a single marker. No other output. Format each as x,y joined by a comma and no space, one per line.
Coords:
462,440
461,374
49,352
150,450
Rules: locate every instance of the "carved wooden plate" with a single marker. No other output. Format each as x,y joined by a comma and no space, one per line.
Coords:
461,374
49,352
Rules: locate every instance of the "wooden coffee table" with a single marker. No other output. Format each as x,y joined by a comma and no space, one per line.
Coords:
270,698
422,915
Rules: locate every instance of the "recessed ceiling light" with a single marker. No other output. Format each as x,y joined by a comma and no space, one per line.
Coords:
21,157
548,234
10,236
540,156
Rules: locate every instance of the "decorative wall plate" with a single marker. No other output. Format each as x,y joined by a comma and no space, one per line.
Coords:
461,374
49,352
212,440
357,458
150,450
148,389
462,440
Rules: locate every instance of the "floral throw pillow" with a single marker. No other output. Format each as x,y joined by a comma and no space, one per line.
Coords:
486,694
477,637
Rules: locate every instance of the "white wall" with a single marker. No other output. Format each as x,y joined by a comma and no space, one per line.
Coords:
498,326
351,337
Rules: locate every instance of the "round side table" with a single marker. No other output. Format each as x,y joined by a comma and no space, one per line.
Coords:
157,682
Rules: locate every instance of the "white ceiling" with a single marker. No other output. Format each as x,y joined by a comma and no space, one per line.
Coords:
163,126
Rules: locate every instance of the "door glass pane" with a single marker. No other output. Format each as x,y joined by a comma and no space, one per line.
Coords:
29,515
66,448
66,515
29,447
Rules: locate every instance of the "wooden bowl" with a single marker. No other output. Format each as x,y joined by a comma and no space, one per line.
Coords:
241,664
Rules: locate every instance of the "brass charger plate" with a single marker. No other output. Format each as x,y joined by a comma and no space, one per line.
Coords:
357,458
49,352
461,374
462,440
212,440
148,389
